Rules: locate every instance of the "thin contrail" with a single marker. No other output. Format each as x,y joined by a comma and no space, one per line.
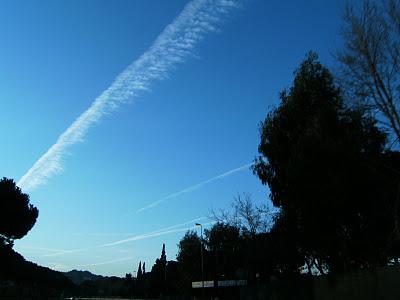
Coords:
108,262
40,249
194,187
173,46
155,233
146,236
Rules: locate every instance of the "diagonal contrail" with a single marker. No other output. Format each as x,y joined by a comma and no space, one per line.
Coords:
153,234
193,187
163,231
108,262
173,46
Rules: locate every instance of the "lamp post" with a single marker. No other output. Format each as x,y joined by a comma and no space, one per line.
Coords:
202,262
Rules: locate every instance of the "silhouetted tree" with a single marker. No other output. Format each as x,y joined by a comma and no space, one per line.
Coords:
17,215
371,58
189,259
325,167
159,274
139,271
163,257
249,217
224,245
173,279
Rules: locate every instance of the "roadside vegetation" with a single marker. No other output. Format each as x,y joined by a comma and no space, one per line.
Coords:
329,154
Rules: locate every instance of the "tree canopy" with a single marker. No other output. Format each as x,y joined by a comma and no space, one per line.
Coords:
17,215
370,59
326,167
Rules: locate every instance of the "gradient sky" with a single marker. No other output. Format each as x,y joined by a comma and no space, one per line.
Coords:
202,121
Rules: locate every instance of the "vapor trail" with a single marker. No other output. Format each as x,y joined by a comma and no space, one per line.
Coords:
130,233
146,236
155,233
194,187
151,235
108,262
173,46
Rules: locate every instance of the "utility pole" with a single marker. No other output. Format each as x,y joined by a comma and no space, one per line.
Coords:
202,260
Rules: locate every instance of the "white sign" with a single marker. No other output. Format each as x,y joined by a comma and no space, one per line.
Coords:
199,284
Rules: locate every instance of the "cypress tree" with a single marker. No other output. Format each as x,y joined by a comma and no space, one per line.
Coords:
139,272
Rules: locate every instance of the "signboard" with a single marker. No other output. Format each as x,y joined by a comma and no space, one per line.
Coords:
232,282
220,283
199,284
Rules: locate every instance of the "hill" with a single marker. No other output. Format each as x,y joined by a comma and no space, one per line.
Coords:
27,279
79,277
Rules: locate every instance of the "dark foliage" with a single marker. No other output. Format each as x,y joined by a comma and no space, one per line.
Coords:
370,59
328,172
159,274
79,277
189,258
17,215
26,279
18,277
224,246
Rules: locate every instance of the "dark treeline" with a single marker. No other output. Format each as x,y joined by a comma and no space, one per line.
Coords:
335,185
23,279
329,155
18,277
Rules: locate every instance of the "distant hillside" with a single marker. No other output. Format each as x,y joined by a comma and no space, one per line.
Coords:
91,285
19,275
78,277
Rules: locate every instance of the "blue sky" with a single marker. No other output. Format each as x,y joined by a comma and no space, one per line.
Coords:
199,122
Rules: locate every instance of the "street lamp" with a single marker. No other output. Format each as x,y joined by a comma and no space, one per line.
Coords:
202,262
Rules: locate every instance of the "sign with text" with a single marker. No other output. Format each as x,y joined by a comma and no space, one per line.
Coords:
232,282
199,284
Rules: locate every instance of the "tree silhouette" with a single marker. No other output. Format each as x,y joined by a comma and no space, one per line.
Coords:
326,169
159,273
370,59
163,257
139,271
189,258
17,215
249,217
224,245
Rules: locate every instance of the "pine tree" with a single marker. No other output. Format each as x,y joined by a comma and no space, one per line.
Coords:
158,273
144,268
163,257
139,272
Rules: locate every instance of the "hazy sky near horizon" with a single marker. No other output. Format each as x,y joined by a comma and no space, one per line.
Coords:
153,167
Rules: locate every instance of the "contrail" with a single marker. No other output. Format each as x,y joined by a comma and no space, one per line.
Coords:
146,236
173,46
41,249
153,234
159,232
108,262
194,187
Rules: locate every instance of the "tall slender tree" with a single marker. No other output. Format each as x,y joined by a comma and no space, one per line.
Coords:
139,271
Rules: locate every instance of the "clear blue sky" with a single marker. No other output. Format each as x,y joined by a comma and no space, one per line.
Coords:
202,121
